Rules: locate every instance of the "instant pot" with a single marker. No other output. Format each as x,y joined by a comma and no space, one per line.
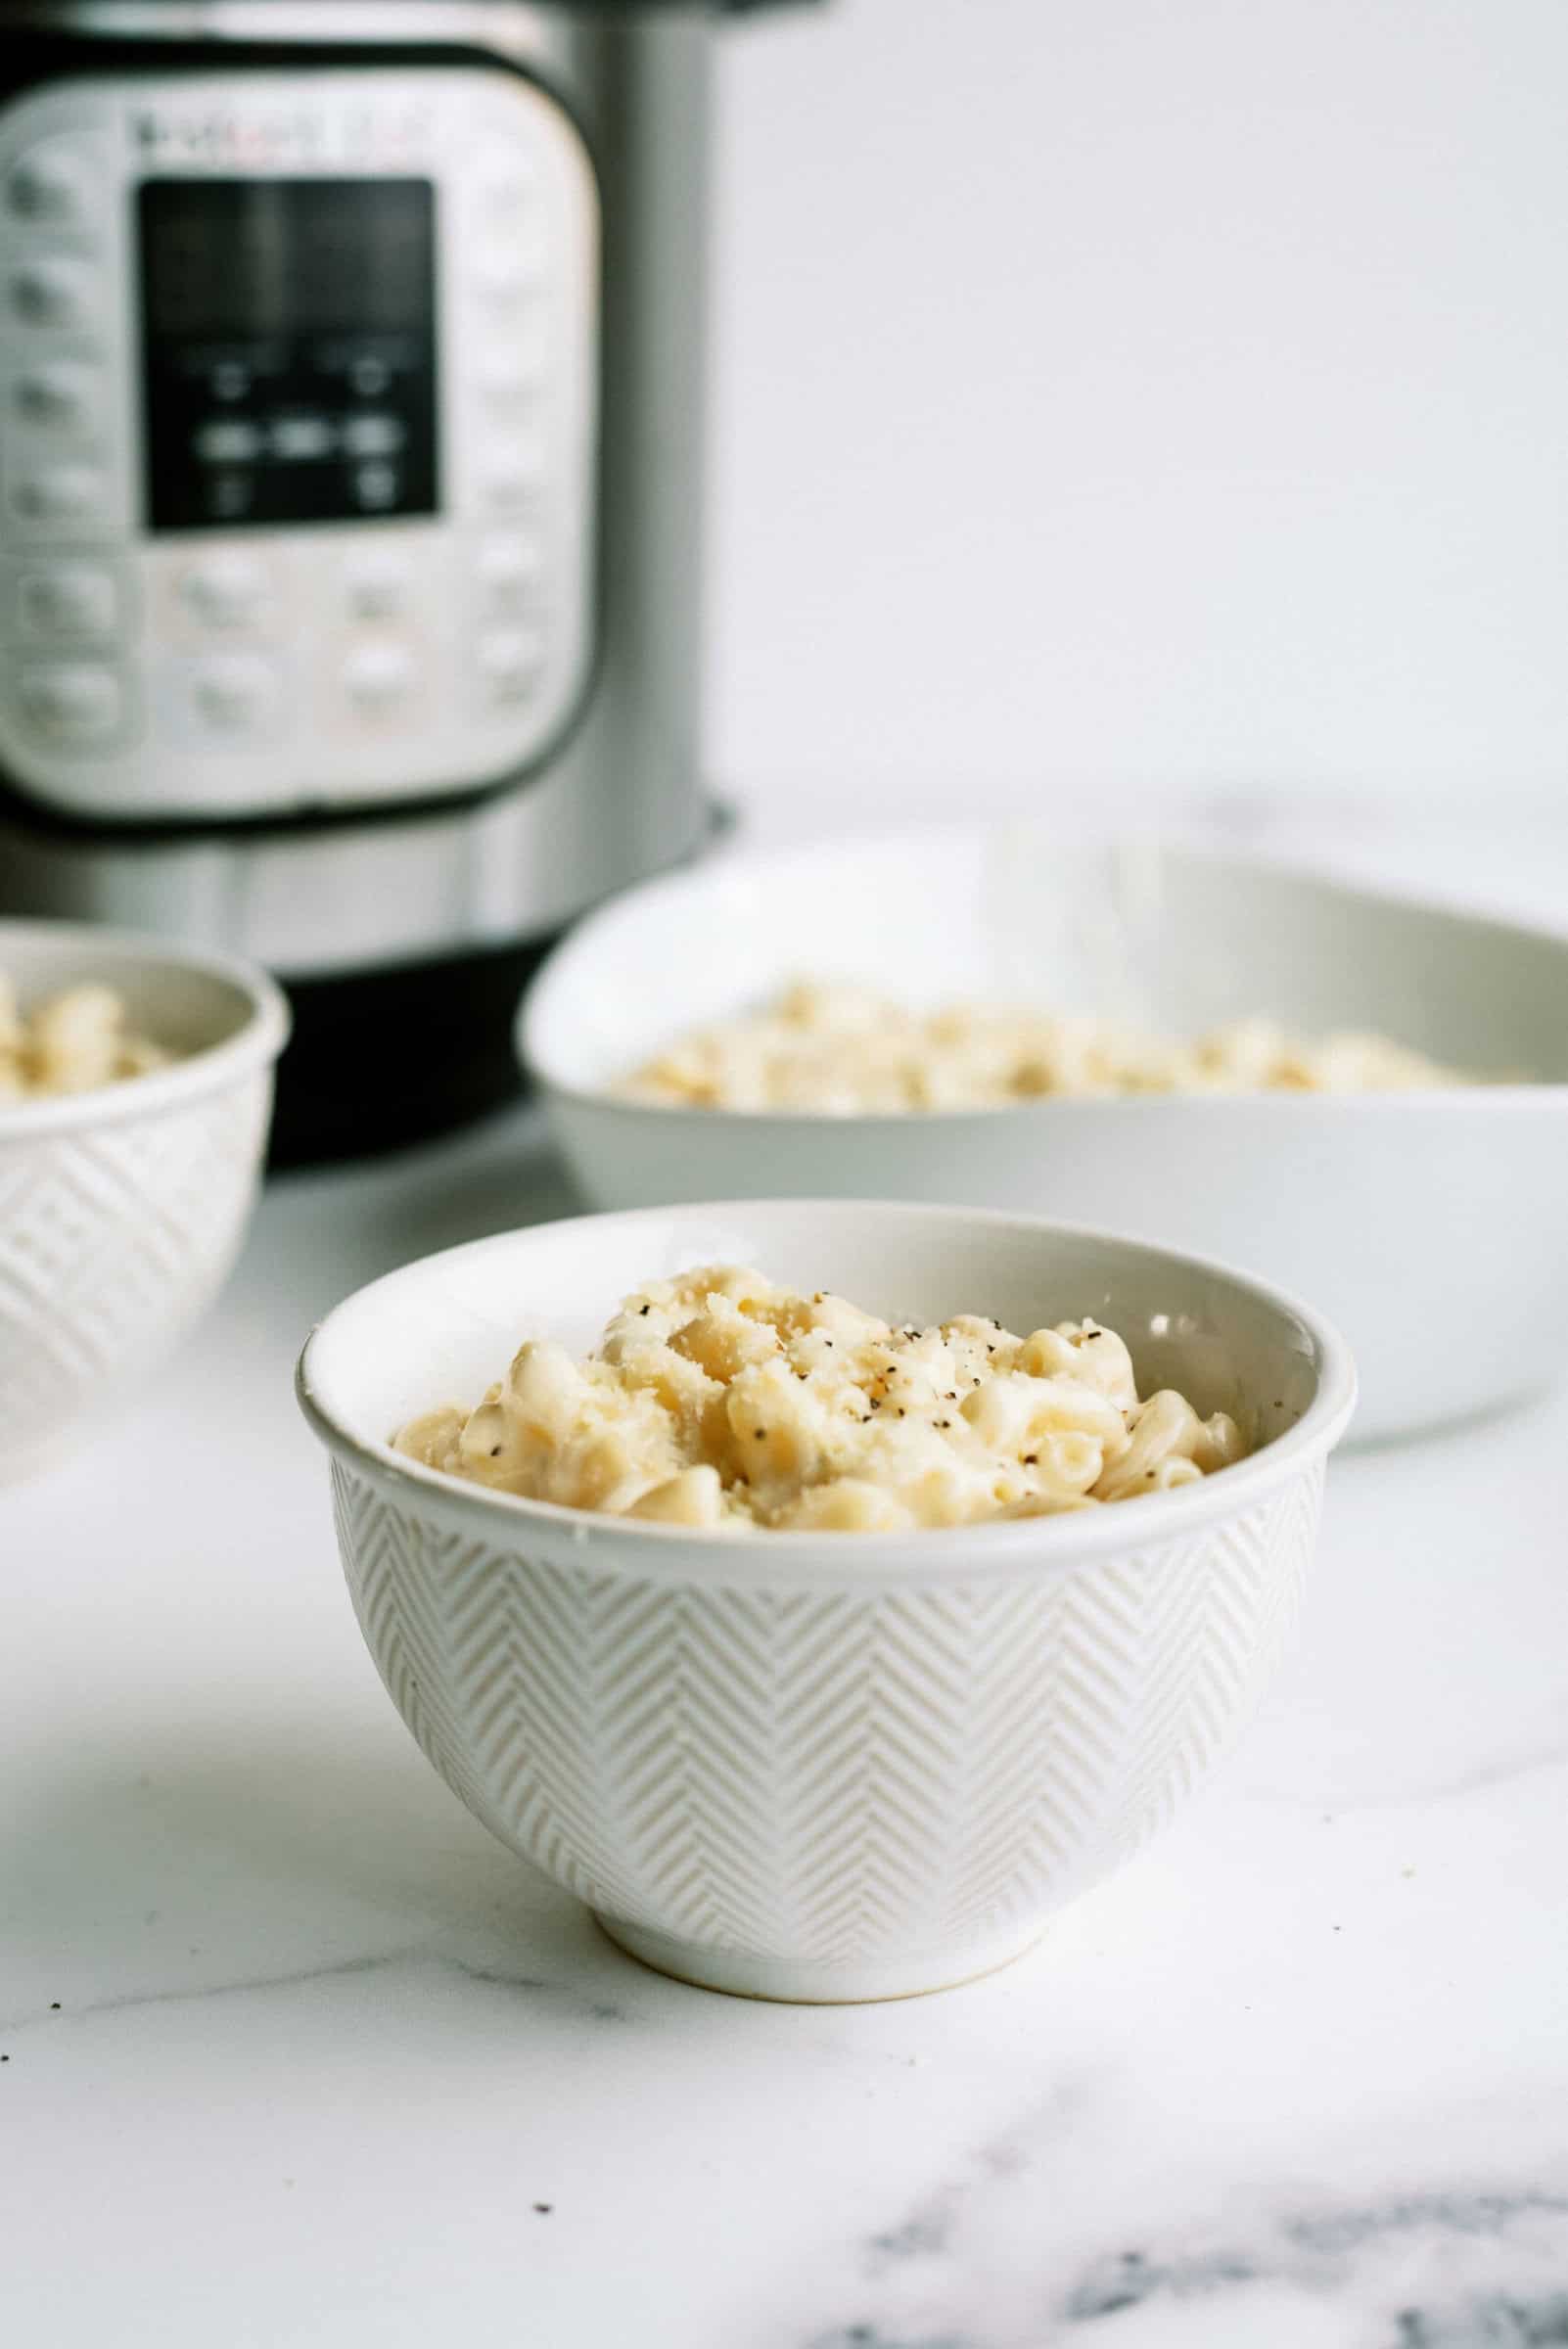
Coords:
350,456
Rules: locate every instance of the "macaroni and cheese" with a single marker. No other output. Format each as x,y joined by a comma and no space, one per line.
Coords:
842,1050
69,1044
717,1400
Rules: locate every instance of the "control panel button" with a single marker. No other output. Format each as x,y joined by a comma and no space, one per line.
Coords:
298,440
378,677
376,485
60,397
506,268
56,292
60,493
378,580
68,599
50,185
75,706
514,368
229,495
228,440
510,569
514,474
236,693
509,661
373,435
224,591
369,377
505,188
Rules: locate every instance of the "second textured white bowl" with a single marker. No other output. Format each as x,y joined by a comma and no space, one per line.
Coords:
1432,1225
122,1210
827,1767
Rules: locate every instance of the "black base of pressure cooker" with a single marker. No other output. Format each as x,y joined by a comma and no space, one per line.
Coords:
382,1059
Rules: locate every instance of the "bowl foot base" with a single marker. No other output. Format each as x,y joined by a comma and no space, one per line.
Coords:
793,1982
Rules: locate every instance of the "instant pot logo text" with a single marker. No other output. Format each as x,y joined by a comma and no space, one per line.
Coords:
259,137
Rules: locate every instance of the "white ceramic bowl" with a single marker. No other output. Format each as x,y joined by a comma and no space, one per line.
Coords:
122,1209
1432,1225
824,1767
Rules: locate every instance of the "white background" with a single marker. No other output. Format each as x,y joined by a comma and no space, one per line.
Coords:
1170,397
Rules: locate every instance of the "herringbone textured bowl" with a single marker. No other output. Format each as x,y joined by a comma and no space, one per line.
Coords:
123,1210
824,1792
840,1767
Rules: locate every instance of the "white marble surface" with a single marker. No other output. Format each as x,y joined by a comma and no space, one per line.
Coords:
297,2056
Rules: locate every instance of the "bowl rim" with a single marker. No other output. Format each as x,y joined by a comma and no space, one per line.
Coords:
211,1068
942,1555
557,973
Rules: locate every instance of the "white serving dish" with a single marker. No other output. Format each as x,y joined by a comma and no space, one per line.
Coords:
122,1209
826,1766
1432,1225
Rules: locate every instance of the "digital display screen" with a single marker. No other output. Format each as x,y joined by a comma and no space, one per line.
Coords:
289,349
222,257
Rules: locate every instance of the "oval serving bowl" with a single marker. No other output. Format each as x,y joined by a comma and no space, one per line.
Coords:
1431,1225
122,1209
842,1766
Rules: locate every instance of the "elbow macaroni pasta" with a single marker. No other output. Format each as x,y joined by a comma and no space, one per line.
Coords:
843,1050
69,1043
720,1401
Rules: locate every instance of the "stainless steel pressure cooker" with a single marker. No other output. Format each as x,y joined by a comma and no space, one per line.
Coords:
350,440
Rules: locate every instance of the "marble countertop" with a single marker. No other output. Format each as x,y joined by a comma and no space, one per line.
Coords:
294,2054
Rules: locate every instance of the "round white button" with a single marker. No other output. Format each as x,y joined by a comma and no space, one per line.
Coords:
379,675
510,659
60,493
49,184
224,591
235,693
52,293
378,582
511,373
78,706
503,186
509,568
516,471
61,398
68,600
504,271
